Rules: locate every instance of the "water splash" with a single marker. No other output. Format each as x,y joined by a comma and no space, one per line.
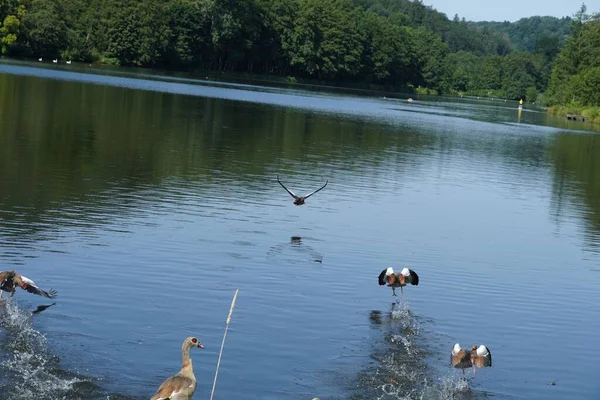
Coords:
400,370
28,368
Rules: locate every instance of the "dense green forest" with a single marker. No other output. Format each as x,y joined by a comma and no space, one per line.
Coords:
392,44
529,33
575,79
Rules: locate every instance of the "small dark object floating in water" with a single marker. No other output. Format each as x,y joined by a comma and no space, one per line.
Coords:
299,200
42,308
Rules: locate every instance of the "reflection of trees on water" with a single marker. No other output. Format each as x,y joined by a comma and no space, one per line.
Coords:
576,180
64,143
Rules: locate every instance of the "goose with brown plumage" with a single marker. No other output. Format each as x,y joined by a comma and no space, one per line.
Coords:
478,357
9,280
182,385
400,279
299,200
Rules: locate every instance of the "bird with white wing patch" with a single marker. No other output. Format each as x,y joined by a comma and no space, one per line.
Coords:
9,280
400,279
478,357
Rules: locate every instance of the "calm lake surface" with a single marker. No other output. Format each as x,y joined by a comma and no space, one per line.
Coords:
145,200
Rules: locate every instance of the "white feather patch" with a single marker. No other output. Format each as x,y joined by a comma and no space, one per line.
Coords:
28,281
482,351
405,272
456,349
390,271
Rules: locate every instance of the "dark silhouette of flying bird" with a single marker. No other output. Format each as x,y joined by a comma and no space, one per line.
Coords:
478,357
299,200
9,280
400,279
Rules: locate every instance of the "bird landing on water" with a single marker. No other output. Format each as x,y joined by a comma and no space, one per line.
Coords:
9,280
401,279
478,357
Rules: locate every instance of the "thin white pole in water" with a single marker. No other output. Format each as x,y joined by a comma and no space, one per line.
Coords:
223,342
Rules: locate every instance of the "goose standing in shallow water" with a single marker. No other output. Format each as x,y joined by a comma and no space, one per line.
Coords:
400,280
478,356
299,200
182,385
9,280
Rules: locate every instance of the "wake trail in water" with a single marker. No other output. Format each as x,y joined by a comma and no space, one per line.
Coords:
28,369
401,370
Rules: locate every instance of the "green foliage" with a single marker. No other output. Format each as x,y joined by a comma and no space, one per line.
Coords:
576,75
9,31
525,34
381,43
531,94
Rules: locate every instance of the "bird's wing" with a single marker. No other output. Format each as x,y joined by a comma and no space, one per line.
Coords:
172,386
483,357
33,288
460,358
411,276
414,278
382,277
288,190
321,188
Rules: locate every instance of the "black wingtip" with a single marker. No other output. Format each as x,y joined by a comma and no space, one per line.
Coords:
382,277
414,278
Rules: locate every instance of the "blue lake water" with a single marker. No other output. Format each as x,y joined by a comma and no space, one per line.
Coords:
147,199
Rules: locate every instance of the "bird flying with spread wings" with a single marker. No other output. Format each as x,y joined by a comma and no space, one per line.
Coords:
9,280
299,200
478,357
400,279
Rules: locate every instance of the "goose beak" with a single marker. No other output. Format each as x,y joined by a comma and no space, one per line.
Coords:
200,346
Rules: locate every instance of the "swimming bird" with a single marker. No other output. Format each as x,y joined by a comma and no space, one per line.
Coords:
478,356
68,61
40,59
299,200
400,280
182,385
9,280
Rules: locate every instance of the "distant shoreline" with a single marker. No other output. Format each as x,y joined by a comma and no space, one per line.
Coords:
591,114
